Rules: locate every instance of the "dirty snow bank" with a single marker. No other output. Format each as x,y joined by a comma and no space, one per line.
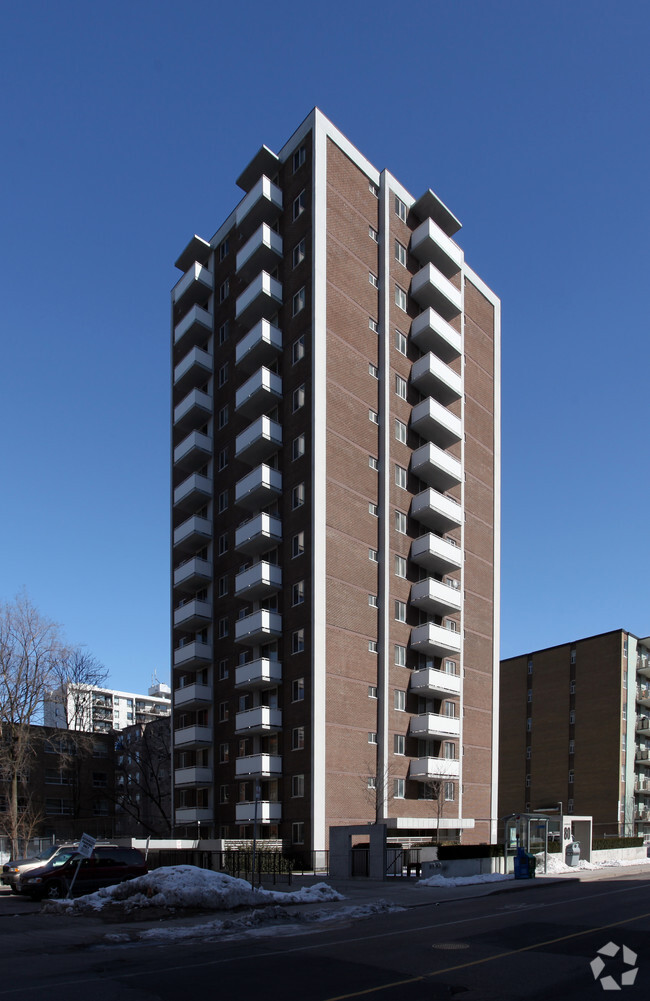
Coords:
182,886
554,863
486,877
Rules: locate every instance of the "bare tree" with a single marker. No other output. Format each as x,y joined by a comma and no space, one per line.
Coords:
438,790
74,676
30,651
143,790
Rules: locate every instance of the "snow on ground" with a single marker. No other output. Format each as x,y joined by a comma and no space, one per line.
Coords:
188,886
486,877
554,863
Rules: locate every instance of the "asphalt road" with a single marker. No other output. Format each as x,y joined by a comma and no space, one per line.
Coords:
535,943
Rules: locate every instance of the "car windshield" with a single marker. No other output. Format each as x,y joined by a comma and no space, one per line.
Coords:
46,853
63,857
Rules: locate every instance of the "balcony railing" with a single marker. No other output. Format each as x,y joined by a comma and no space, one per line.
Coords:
194,776
431,289
436,423
194,328
259,627
436,597
193,654
435,554
259,440
193,573
434,725
259,346
194,451
436,511
430,682
435,640
262,251
192,614
258,581
195,408
193,492
263,766
260,673
193,369
192,533
261,719
193,736
258,534
436,467
263,203
194,696
431,333
261,298
430,769
267,813
258,488
193,814
259,393
431,245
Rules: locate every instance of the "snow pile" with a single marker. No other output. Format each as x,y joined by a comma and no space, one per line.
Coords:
486,877
554,863
183,886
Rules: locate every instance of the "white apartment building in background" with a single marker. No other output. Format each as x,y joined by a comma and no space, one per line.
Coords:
100,710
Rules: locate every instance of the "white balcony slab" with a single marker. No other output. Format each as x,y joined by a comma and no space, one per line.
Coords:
195,408
436,467
193,654
432,290
192,614
434,725
263,766
435,597
258,534
262,251
195,285
267,813
436,511
192,696
197,776
437,641
259,440
263,203
437,684
193,814
431,245
433,377
193,492
259,581
259,393
427,769
194,328
431,333
434,422
259,673
259,488
259,346
261,298
435,554
197,249
193,736
262,719
193,451
194,369
193,573
192,533
258,627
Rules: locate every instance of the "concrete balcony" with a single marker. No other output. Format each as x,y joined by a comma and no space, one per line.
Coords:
192,615
436,511
197,249
193,452
193,776
430,769
643,695
193,655
435,423
263,203
642,724
258,347
191,534
435,597
259,581
195,408
433,377
431,289
260,673
261,626
436,467
192,574
193,814
267,813
436,641
431,333
260,766
261,252
259,393
435,554
193,370
193,736
193,696
435,684
431,245
643,667
258,534
642,754
262,298
193,492
262,719
194,328
434,725
259,488
194,287
260,440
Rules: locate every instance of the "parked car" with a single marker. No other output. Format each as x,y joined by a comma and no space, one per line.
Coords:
106,866
12,869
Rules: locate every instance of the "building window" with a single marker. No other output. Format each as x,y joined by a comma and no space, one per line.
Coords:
398,788
373,370
373,509
450,793
373,189
400,431
298,447
373,463
223,670
298,593
223,712
297,496
529,725
298,302
224,249
570,776
298,253
298,641
224,753
372,646
400,208
372,601
297,786
223,417
298,349
400,655
400,297
222,459
530,695
297,833
224,290
572,717
372,691
298,544
400,387
373,234
224,794
297,738
572,747
530,665
299,205
400,252
400,566
372,782
400,521
222,502
298,690
223,544
223,628
374,326
529,752
400,476
299,158
222,377
222,586
373,556
399,743
573,655
372,738
373,279
298,398
572,687
223,333
399,700
400,342
373,417
400,611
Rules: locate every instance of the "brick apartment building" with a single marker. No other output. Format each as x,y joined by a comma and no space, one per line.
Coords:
335,509
575,730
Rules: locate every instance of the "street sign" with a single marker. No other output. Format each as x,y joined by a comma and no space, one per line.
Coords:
86,845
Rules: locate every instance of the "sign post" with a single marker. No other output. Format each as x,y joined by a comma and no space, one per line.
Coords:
85,850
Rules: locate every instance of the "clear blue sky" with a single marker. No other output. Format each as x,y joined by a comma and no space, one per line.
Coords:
124,126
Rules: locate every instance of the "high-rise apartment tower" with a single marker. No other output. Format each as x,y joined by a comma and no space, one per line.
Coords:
335,507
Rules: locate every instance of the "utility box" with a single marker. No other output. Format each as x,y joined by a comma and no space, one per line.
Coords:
525,864
572,853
